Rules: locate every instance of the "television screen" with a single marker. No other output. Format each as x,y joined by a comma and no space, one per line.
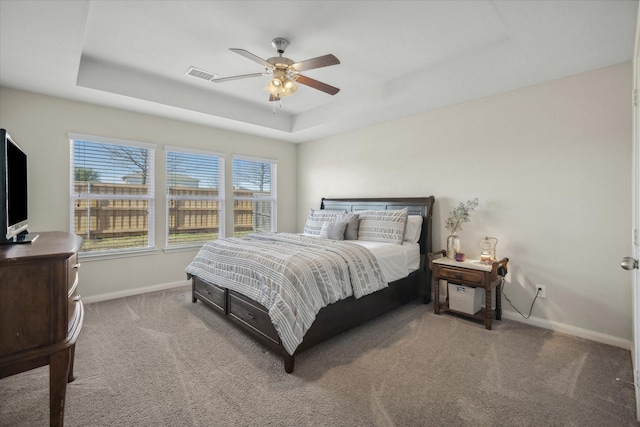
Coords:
16,184
13,191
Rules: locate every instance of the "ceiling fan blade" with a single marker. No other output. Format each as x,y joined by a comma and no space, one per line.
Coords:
307,81
252,57
243,76
319,62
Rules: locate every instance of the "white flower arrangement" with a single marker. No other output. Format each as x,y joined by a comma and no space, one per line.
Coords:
460,215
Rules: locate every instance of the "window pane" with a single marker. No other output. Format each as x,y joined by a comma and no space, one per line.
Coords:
112,195
251,217
262,216
251,178
193,221
195,197
107,224
254,192
101,162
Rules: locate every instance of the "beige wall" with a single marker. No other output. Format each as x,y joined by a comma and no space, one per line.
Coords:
551,165
40,125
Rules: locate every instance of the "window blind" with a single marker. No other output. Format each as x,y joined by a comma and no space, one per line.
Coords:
195,196
112,193
254,195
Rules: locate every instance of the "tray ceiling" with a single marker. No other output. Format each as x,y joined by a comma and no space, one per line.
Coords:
398,58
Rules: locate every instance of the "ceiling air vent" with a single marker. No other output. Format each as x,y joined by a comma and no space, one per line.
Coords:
201,74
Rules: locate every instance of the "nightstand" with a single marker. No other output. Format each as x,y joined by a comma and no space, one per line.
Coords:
473,274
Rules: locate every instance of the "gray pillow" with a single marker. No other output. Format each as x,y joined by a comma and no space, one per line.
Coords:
333,230
353,222
318,217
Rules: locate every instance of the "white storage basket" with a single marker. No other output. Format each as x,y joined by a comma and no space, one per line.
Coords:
465,298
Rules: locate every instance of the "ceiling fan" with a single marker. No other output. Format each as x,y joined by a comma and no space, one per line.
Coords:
285,72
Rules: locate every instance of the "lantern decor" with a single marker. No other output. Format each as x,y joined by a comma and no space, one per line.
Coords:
488,250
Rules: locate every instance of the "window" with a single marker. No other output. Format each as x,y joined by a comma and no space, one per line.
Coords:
195,197
254,195
112,194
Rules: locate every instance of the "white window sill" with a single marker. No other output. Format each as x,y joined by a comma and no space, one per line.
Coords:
118,253
184,248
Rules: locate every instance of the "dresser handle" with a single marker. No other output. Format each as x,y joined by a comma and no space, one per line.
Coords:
76,266
207,291
458,276
251,316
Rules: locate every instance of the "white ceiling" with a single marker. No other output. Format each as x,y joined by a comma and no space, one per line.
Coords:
398,58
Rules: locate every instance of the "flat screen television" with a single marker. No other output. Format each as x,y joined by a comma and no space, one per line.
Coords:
14,218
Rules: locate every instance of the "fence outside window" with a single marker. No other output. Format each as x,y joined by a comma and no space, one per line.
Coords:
100,219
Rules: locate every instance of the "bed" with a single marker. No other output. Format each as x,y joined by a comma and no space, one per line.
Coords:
260,312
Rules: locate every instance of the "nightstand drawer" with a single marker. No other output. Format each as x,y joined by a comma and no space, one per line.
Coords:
467,276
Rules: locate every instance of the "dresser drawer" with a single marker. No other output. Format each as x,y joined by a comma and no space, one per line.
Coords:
73,308
72,274
464,276
212,294
252,315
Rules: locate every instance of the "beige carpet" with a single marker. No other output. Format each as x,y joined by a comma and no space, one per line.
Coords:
159,360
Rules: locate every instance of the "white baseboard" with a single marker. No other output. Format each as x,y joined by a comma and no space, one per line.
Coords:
136,291
570,330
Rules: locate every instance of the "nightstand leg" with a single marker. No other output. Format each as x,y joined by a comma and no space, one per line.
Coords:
488,312
436,295
499,302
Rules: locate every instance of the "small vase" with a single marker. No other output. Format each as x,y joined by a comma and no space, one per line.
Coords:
453,246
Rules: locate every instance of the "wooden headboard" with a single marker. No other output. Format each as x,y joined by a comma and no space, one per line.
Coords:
415,206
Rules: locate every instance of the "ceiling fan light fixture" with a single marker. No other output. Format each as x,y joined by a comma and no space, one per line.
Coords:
281,87
290,86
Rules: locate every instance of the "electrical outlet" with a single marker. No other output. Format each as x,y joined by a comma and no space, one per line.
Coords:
541,290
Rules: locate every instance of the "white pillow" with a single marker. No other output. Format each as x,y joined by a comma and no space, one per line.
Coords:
316,218
414,228
382,226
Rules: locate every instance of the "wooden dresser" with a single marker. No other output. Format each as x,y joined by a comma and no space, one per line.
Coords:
40,311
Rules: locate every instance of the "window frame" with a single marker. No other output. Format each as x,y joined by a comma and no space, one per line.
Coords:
221,157
273,185
150,197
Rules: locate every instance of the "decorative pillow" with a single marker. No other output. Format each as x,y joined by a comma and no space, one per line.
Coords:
353,222
333,230
414,229
382,226
318,217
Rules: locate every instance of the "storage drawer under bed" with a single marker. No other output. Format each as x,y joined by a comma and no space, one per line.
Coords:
252,315
214,295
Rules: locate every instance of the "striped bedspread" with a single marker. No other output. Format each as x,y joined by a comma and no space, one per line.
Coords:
292,275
